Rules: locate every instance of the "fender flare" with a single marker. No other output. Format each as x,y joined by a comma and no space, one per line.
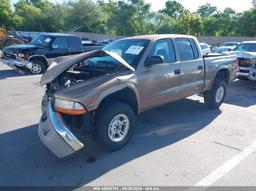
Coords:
219,68
116,89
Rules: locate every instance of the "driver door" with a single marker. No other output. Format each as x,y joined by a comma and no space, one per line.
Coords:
158,83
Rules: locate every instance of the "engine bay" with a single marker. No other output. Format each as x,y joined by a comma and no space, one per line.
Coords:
84,70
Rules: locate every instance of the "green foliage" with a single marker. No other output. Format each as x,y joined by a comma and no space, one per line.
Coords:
6,13
190,24
207,10
119,20
211,26
84,14
246,24
132,17
173,9
125,18
164,24
140,16
227,22
30,16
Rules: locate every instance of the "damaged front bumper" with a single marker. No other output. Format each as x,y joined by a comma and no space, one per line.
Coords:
56,136
247,72
17,65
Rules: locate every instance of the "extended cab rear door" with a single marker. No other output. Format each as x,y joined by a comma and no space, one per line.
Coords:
75,45
191,65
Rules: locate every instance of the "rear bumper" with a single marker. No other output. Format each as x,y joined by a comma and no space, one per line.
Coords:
55,135
247,72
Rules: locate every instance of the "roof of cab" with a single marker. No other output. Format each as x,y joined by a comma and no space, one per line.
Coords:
58,34
159,36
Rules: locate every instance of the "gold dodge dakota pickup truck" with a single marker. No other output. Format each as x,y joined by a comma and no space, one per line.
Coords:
101,92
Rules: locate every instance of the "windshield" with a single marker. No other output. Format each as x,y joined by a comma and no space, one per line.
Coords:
246,47
130,50
42,41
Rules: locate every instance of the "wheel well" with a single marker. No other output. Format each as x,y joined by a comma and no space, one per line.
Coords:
39,58
126,95
223,75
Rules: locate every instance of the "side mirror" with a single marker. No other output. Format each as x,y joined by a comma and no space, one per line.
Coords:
152,60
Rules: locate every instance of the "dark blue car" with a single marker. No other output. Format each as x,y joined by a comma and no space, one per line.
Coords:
33,56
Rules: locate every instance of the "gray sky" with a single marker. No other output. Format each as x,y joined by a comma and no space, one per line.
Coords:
192,5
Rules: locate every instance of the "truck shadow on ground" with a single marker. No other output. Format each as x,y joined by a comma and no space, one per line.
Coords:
24,160
8,74
241,93
11,74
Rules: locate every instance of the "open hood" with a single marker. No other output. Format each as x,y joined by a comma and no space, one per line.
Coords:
56,69
19,48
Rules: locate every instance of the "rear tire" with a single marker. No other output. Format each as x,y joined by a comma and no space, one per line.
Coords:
214,97
114,125
38,67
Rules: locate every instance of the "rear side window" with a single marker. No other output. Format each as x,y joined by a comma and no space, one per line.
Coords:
165,49
60,43
75,44
185,49
195,49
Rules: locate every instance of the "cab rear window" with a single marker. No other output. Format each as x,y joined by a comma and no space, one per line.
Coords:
185,49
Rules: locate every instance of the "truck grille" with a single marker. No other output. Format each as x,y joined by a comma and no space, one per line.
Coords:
243,62
9,55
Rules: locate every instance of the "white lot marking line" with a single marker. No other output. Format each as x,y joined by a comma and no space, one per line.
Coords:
226,167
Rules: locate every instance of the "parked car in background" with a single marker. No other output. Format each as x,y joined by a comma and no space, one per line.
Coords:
234,44
95,45
205,48
100,92
89,45
33,56
246,53
223,49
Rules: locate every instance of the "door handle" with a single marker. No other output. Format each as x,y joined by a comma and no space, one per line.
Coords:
177,71
200,67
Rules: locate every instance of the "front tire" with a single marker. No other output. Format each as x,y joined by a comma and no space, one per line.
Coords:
114,125
38,67
214,97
